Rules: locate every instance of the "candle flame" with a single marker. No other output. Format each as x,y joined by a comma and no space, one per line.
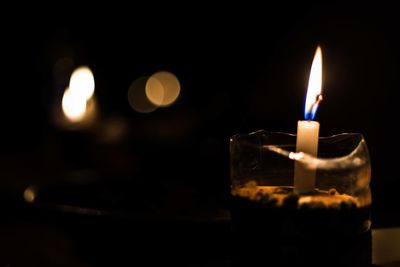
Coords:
314,96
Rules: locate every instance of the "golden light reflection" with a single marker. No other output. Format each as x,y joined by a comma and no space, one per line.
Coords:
137,96
82,82
163,88
73,105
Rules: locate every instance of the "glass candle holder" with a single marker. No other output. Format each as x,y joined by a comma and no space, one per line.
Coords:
274,226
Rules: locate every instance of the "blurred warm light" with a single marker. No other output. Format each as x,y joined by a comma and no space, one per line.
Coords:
163,88
82,82
159,90
29,194
84,120
73,105
155,91
91,111
77,108
113,129
137,96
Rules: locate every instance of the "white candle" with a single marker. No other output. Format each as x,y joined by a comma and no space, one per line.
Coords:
308,130
307,142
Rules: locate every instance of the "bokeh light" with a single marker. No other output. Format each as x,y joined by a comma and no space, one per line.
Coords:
79,104
137,96
163,88
73,105
82,82
29,194
155,91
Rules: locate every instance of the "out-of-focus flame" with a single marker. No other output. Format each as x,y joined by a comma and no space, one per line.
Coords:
73,105
314,96
82,82
78,102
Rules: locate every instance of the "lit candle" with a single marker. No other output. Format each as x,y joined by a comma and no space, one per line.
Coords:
308,129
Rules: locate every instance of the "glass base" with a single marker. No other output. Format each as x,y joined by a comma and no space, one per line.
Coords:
267,233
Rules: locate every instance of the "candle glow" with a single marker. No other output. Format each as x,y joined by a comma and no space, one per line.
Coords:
314,96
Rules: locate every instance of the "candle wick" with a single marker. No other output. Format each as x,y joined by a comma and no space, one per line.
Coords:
319,98
314,107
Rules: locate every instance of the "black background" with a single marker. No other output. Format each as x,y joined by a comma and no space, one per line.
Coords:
241,68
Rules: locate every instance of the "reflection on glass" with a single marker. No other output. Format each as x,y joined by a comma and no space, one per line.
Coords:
333,219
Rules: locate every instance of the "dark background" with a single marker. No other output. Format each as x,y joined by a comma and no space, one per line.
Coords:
241,68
